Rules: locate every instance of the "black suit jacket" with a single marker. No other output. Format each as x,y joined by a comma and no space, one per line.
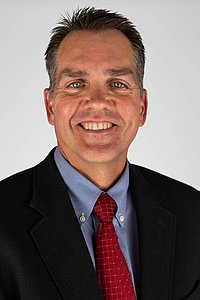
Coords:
43,255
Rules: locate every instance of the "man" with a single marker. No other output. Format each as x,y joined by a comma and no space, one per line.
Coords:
50,226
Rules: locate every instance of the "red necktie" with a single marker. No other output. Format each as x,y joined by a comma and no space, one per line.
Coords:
113,273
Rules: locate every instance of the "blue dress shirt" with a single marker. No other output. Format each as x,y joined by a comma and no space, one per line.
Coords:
83,194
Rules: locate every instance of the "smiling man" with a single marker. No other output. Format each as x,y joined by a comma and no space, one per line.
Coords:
96,105
85,223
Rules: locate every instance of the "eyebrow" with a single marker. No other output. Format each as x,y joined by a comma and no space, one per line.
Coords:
81,73
119,72
72,73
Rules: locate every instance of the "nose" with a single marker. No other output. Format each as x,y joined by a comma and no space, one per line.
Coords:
98,99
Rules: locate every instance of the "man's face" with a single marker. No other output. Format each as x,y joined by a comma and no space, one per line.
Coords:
96,107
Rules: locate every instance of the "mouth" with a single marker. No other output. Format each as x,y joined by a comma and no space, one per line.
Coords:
96,126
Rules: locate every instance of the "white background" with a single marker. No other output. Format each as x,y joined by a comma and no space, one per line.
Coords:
169,142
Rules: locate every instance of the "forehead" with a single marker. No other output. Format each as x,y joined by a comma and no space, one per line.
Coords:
102,47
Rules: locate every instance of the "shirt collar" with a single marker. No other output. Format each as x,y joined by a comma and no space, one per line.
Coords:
84,193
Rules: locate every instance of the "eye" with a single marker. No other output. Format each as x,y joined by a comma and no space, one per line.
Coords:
76,85
118,85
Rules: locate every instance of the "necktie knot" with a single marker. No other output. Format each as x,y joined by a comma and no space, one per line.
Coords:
105,208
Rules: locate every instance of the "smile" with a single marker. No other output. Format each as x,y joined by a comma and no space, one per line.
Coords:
96,126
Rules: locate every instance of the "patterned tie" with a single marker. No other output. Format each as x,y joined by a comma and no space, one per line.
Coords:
113,273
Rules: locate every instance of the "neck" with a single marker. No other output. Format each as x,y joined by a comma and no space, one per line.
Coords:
103,175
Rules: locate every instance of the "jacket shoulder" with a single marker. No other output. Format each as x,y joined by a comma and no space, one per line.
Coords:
16,178
163,182
16,187
19,187
177,197
23,179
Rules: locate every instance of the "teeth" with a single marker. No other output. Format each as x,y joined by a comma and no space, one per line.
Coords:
96,126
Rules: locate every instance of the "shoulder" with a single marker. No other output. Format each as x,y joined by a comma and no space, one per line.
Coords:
24,179
160,180
17,186
17,180
174,190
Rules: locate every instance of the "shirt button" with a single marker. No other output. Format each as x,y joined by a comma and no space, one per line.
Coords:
82,218
121,218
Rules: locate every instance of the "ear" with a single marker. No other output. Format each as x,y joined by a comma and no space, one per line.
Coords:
48,100
143,107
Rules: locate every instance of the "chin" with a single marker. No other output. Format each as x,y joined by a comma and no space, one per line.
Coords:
101,156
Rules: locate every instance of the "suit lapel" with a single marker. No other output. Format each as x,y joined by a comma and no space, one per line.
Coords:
156,231
58,237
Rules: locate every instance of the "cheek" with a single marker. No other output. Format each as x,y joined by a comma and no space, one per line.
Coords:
130,112
62,113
